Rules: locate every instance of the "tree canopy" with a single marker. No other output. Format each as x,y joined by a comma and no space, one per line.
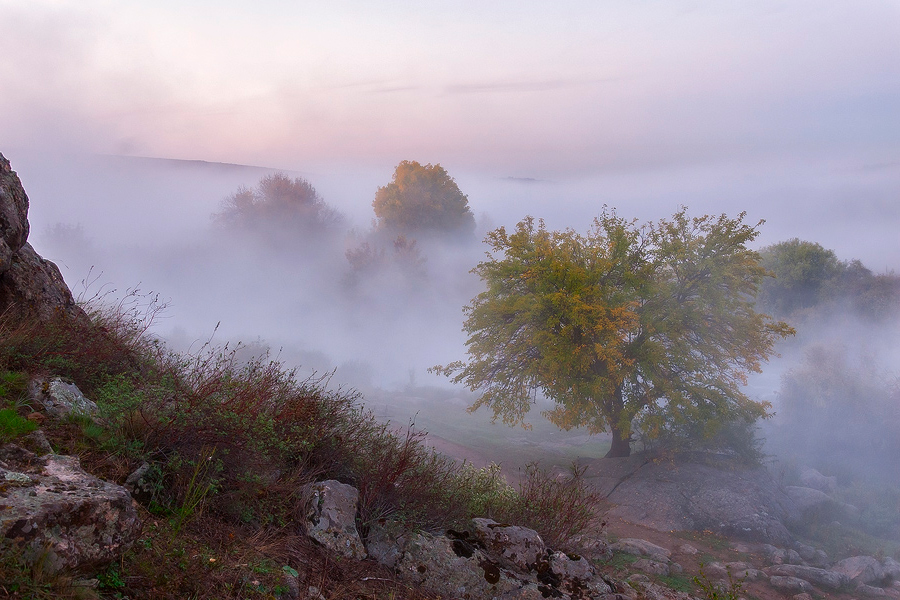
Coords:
279,203
422,199
627,326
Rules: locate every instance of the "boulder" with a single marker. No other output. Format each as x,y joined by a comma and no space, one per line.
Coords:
790,584
515,546
690,494
450,570
60,398
13,214
329,517
638,547
891,568
30,286
819,577
571,568
870,591
811,478
61,516
386,542
650,566
860,569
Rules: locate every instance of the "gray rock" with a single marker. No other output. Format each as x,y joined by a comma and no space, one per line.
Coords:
681,495
432,563
650,566
515,546
61,516
891,568
60,398
30,287
329,517
820,577
860,569
790,584
811,478
638,547
870,591
37,442
138,482
386,542
571,568
803,596
687,549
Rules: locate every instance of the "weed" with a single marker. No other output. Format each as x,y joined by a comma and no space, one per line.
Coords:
716,590
12,425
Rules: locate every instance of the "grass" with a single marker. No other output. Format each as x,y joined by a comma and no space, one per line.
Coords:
230,444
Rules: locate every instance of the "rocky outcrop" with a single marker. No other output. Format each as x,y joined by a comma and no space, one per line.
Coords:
30,286
330,517
60,516
60,398
684,494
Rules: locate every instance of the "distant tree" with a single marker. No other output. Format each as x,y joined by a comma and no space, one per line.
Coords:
809,277
626,326
422,199
804,272
279,204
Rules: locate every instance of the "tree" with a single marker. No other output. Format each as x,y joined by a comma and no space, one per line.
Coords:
422,199
804,272
279,204
627,326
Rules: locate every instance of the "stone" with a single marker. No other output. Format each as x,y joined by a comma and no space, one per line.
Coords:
689,493
687,549
803,596
790,584
860,569
638,547
434,563
61,516
386,542
30,286
820,577
570,567
329,517
870,591
650,566
891,568
811,478
515,546
60,398
139,484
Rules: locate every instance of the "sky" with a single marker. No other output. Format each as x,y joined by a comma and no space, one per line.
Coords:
788,110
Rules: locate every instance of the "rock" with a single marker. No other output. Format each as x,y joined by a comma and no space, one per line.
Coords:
870,591
139,484
687,549
36,442
686,494
61,399
515,546
639,547
860,569
815,503
386,542
790,584
30,287
891,568
292,587
811,478
570,568
60,515
742,570
314,593
820,577
433,563
650,566
13,214
329,516
803,596
782,556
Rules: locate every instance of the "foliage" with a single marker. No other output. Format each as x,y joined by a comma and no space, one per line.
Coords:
372,258
422,199
715,591
281,206
12,425
808,276
652,327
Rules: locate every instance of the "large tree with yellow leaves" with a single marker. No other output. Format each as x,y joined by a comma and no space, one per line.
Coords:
651,326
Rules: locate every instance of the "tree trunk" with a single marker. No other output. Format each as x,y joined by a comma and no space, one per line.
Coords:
621,446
